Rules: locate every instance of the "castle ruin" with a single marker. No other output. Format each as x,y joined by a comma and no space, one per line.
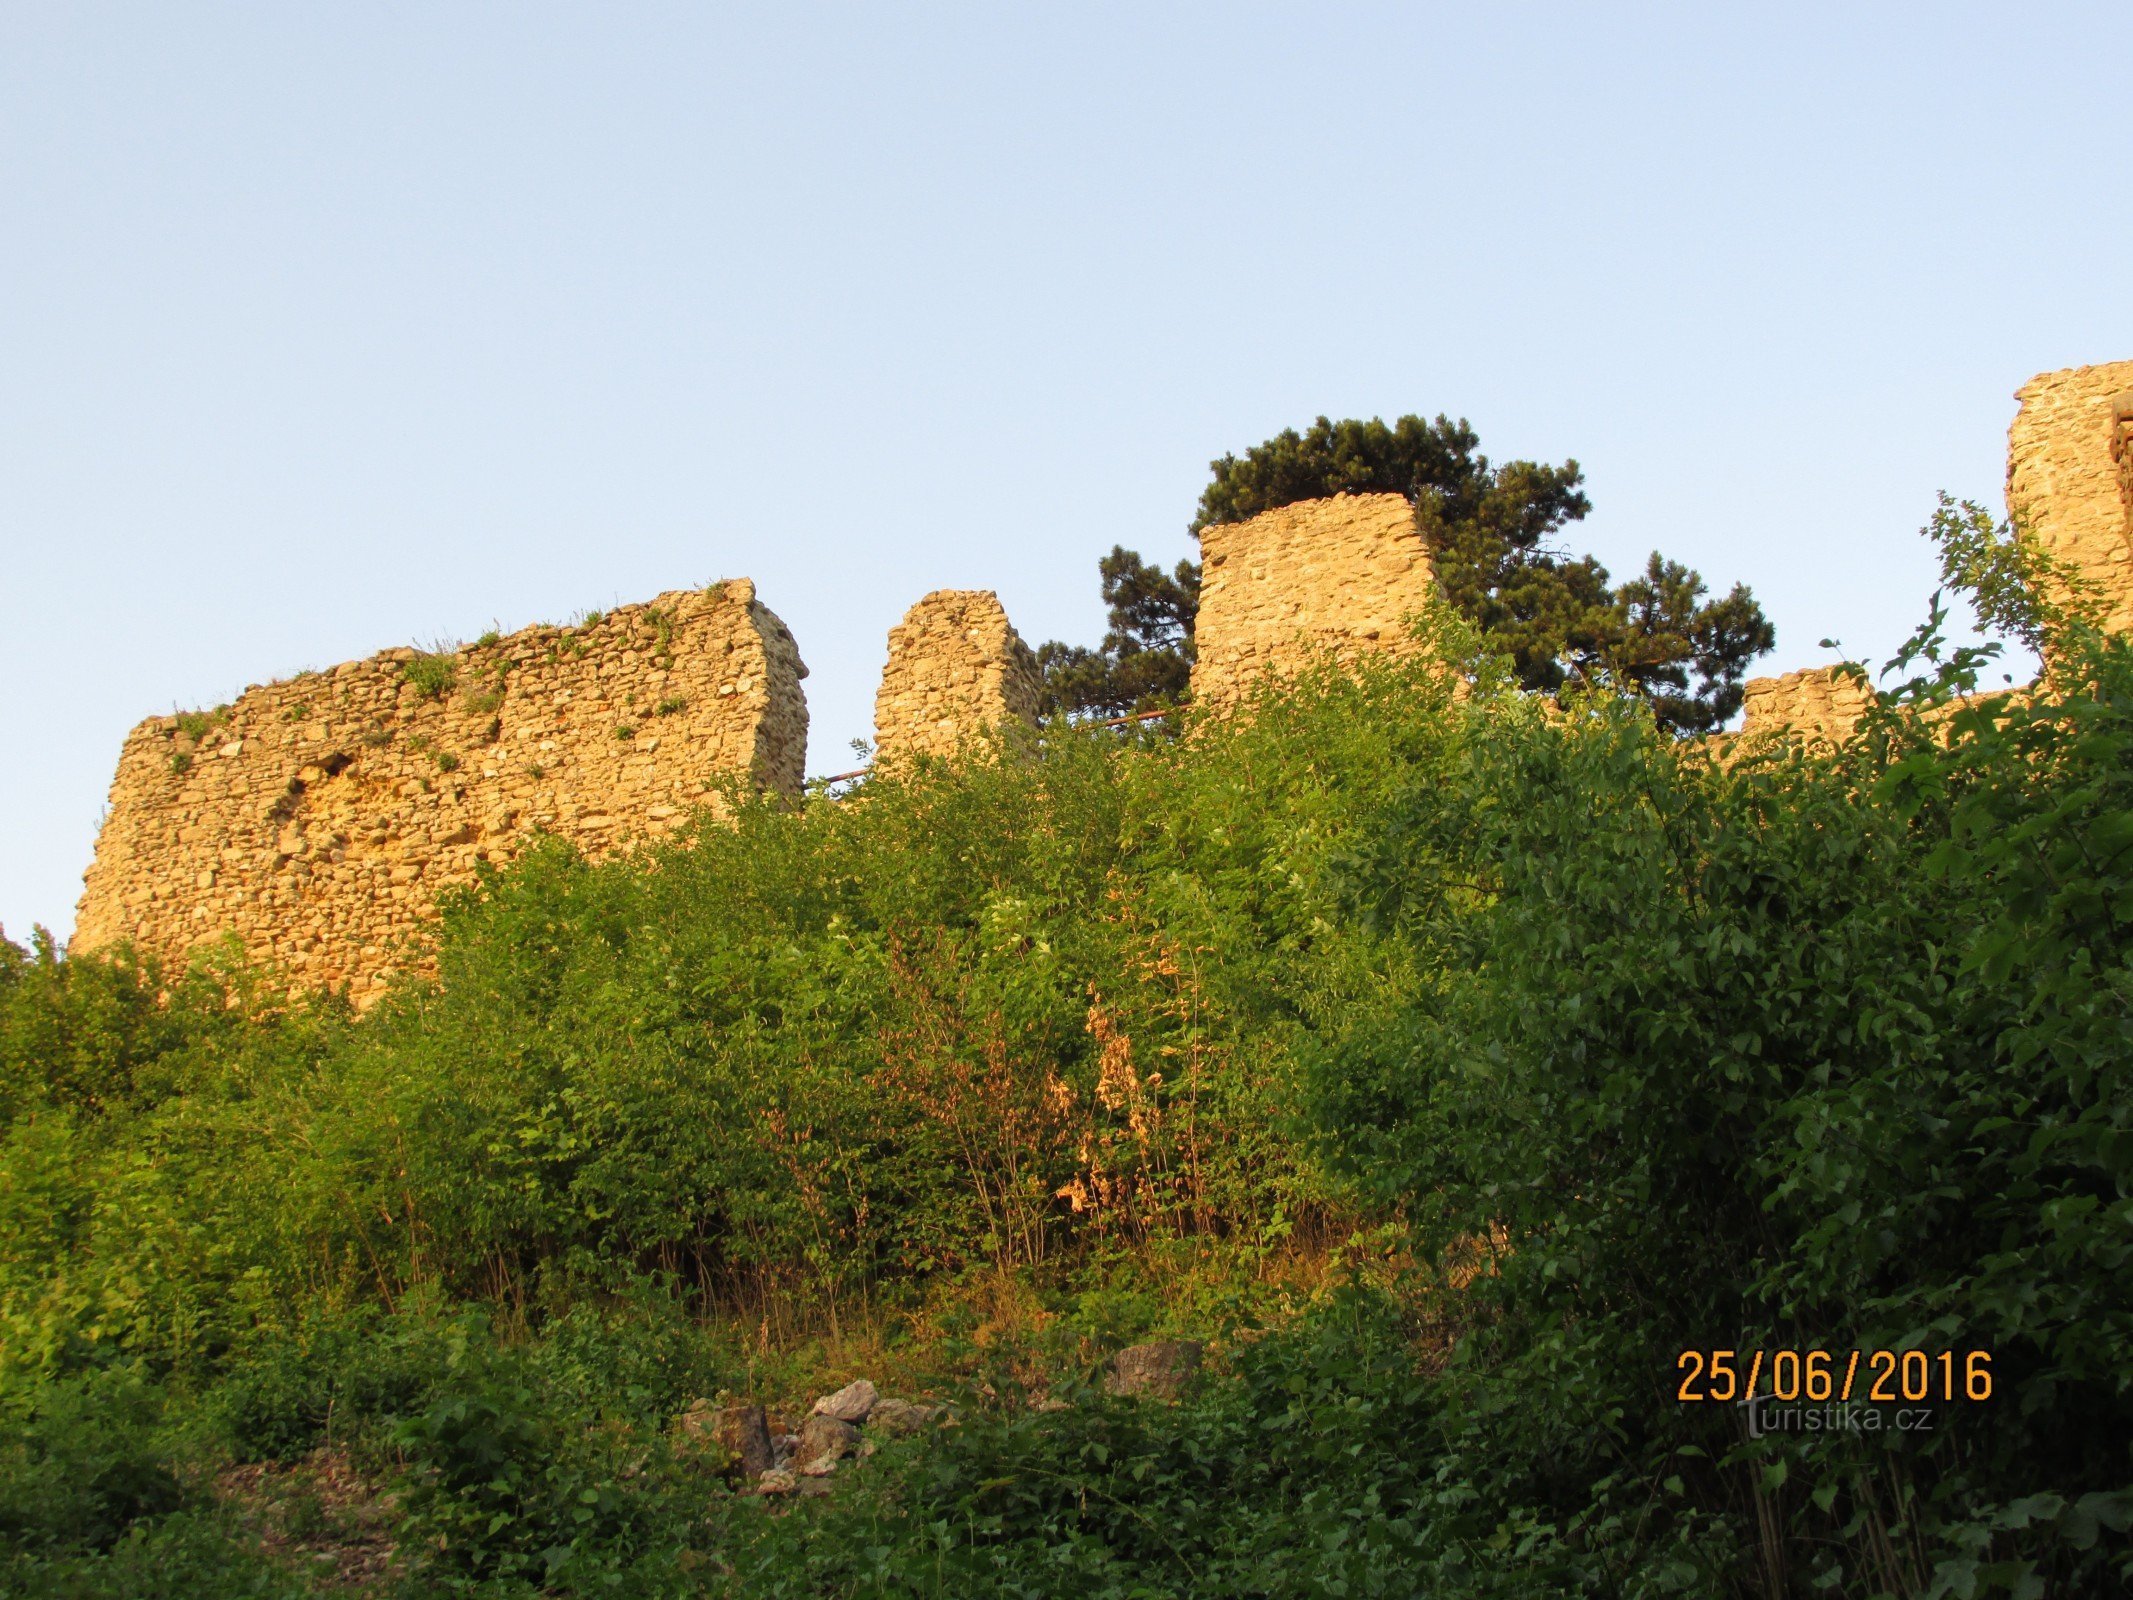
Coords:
1339,576
318,819
2070,477
2069,488
957,670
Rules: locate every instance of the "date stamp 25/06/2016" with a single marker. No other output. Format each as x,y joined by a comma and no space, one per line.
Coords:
1878,1377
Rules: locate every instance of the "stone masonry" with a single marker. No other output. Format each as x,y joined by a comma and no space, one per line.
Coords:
319,818
957,669
1338,576
2070,476
1819,704
2069,486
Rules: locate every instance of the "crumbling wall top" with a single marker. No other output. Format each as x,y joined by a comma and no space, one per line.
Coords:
1819,704
956,670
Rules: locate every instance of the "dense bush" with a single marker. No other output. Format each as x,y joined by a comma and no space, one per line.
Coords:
80,1464
1627,1049
998,1017
1788,1053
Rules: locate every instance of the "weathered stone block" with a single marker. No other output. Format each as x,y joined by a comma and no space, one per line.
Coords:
896,1418
824,1441
957,670
1160,1370
1340,576
853,1403
2070,476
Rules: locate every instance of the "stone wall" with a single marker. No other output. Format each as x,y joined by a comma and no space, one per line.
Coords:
956,669
2069,486
1820,703
318,819
2070,475
1339,576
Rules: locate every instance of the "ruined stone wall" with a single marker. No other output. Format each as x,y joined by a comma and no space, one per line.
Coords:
956,669
2069,486
1819,703
318,819
2070,475
1339,575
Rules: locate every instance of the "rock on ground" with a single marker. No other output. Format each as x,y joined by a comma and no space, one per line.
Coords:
1159,1371
894,1418
853,1403
824,1441
742,1432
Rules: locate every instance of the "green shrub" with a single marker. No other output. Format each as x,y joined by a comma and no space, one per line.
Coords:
1790,1053
79,1463
504,1484
432,672
332,1377
192,1555
194,724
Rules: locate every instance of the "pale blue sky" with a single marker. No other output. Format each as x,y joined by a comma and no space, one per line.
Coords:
330,327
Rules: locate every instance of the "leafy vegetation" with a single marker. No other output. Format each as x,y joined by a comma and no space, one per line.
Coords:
1453,1060
1145,660
434,673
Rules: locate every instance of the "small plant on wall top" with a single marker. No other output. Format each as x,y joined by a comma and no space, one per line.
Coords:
432,672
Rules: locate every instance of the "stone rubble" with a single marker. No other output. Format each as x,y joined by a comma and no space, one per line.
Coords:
852,1403
840,1427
